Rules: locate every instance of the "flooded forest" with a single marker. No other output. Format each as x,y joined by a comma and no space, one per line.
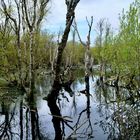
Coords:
57,87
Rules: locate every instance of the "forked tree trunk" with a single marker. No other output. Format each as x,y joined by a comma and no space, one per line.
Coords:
88,58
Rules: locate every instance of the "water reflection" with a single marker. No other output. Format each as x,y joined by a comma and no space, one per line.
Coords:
55,112
32,112
87,110
87,132
119,107
5,127
19,119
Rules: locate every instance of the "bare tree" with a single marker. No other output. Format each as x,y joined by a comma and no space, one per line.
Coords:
71,5
53,51
88,58
73,37
108,34
52,97
103,31
34,12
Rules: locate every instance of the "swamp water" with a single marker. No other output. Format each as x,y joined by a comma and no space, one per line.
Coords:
105,114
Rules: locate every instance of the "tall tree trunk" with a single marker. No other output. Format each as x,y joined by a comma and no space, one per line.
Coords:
52,97
88,62
62,45
31,65
19,60
88,58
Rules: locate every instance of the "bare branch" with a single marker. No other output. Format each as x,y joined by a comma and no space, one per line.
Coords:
87,44
26,14
89,32
42,11
100,30
69,20
19,16
5,10
34,16
76,29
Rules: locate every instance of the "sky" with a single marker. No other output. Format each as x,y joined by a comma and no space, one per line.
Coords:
108,9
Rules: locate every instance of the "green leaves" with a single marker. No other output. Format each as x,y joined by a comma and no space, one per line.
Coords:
121,51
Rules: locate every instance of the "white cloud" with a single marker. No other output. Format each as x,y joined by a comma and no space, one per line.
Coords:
97,8
57,12
102,9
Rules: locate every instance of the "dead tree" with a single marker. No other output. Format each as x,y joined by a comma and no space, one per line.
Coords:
52,97
73,37
71,5
88,64
100,28
88,58
53,51
104,32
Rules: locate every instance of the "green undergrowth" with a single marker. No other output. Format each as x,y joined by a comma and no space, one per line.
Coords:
3,83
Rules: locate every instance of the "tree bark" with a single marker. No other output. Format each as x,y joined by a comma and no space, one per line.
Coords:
52,97
31,70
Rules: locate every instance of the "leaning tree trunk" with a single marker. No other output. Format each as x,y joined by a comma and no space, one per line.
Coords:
69,20
52,97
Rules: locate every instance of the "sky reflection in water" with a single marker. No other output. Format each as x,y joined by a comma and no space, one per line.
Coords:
111,115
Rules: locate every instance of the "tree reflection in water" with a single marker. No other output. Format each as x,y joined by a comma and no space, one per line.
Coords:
87,132
122,116
59,121
55,112
33,113
5,126
113,112
19,120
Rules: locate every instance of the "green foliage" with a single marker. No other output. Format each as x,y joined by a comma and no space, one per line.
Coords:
121,51
74,54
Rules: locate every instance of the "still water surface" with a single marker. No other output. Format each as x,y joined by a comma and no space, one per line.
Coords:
107,113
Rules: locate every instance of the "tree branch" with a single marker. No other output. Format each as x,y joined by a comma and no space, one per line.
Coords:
76,29
5,10
89,32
